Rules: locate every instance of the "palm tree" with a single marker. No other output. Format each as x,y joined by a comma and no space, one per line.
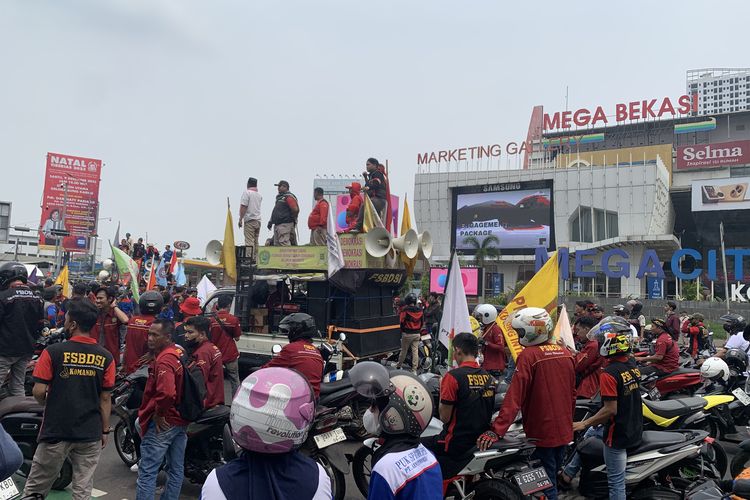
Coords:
487,248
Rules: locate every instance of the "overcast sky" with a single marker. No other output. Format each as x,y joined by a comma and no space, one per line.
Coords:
183,100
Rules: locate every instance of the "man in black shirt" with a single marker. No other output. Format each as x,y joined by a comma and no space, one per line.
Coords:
467,396
21,322
621,412
72,380
375,187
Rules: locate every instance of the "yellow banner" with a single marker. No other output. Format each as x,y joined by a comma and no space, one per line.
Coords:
540,291
307,258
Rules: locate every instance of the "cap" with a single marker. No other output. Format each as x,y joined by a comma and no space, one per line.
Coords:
659,322
355,185
282,183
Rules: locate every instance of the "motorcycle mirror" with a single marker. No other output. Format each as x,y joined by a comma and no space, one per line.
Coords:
342,337
276,349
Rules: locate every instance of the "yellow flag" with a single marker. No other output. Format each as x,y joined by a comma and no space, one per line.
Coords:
371,219
540,291
230,260
405,226
63,279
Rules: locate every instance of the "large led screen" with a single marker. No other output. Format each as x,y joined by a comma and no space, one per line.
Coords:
518,215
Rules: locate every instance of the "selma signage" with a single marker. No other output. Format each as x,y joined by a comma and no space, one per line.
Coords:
616,263
713,155
624,111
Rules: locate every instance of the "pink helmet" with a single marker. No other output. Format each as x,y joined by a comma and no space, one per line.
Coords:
272,411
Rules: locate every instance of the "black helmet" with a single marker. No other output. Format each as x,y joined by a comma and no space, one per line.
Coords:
620,310
736,360
298,326
733,323
151,302
410,299
12,271
634,306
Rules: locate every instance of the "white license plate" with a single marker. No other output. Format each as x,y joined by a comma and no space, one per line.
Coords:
742,396
8,489
328,438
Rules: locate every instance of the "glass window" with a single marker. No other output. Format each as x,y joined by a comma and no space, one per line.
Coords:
4,209
612,229
601,226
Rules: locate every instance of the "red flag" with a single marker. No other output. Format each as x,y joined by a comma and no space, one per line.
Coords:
152,275
388,211
173,262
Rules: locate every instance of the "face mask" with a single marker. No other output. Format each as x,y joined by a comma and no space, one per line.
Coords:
371,421
191,343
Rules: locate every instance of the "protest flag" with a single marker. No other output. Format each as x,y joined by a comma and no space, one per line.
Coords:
126,267
63,279
230,259
335,254
540,291
152,274
455,318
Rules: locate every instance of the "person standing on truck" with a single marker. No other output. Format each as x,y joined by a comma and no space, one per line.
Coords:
284,217
318,219
300,354
355,203
375,187
412,321
225,331
250,214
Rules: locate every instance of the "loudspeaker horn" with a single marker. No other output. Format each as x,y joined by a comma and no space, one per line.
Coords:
425,244
214,251
378,242
407,243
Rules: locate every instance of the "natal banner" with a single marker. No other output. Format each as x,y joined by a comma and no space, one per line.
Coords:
82,177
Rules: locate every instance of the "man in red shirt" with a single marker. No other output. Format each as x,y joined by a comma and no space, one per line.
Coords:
163,429
494,341
107,329
543,388
136,335
355,203
318,219
207,357
588,362
225,330
300,354
666,356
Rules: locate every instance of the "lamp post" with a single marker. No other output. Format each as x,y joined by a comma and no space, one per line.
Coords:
21,229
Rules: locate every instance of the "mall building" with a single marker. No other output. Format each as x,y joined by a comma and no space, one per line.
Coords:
645,187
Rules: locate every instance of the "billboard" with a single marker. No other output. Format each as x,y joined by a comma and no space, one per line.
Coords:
71,191
516,217
469,275
720,194
712,155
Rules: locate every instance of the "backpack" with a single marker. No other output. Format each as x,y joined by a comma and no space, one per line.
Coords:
190,406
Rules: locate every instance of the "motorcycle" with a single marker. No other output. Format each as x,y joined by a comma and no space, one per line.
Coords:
322,446
672,415
681,382
718,490
47,338
424,348
664,465
209,437
21,417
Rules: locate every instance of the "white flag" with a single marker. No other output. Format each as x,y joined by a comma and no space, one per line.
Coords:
563,330
335,255
455,310
205,287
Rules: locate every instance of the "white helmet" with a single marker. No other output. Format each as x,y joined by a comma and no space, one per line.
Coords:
714,369
533,325
485,313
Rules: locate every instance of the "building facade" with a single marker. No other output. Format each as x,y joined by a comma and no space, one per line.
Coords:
720,90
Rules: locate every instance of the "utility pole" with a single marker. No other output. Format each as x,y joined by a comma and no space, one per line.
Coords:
22,229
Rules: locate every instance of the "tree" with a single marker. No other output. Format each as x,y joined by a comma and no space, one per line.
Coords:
486,249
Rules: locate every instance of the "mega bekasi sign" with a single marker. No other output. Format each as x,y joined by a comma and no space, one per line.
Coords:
617,263
713,155
624,111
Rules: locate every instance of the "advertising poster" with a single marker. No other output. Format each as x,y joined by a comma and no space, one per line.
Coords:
712,155
306,258
469,275
513,216
342,201
720,194
81,175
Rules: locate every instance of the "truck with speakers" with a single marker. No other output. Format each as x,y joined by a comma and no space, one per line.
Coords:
357,300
